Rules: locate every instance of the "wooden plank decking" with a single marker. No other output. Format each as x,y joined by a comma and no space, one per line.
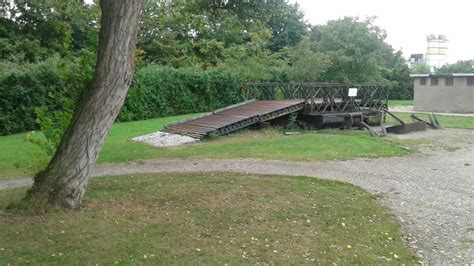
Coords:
227,120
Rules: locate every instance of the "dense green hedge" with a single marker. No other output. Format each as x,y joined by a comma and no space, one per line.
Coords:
156,91
21,91
52,86
159,91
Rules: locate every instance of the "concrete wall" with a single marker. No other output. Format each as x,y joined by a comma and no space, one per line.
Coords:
457,98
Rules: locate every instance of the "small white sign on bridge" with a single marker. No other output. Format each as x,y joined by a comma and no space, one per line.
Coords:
352,92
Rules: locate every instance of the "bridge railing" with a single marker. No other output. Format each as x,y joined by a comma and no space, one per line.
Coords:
321,97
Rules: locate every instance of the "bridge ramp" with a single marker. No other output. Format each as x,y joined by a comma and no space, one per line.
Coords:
235,117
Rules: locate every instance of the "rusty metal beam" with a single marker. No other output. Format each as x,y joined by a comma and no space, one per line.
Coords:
321,97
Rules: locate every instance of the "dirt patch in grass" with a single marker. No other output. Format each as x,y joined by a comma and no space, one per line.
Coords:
210,218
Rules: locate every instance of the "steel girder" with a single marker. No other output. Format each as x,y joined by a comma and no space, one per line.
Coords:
322,97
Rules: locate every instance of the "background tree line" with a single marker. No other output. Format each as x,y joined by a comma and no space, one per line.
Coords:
461,66
191,56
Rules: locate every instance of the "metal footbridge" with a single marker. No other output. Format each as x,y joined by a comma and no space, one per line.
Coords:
232,118
267,101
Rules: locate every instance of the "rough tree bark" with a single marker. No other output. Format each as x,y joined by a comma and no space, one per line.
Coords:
64,181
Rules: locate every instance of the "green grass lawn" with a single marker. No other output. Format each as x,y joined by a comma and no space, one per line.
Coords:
273,144
207,218
444,120
394,103
15,150
266,144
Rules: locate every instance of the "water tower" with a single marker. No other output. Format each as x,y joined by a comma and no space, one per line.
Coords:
436,53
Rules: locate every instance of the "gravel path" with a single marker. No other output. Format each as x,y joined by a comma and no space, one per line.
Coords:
431,192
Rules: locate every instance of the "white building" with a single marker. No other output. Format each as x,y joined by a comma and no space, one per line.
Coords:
436,51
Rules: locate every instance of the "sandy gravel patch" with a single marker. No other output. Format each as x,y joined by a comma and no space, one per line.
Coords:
163,139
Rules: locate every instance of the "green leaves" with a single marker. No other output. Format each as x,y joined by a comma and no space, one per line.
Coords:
37,29
159,91
52,125
168,30
358,53
54,84
461,66
307,65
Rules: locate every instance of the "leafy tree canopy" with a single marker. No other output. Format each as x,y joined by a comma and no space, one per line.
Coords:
33,30
420,68
462,66
256,41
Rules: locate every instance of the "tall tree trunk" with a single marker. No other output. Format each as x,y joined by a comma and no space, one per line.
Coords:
64,181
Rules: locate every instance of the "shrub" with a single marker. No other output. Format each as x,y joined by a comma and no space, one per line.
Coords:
24,90
159,91
54,85
52,125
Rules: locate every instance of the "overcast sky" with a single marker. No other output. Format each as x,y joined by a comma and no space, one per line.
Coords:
407,22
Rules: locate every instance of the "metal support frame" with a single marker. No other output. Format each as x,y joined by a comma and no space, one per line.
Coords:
399,120
404,128
322,97
434,124
372,132
418,124
311,99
